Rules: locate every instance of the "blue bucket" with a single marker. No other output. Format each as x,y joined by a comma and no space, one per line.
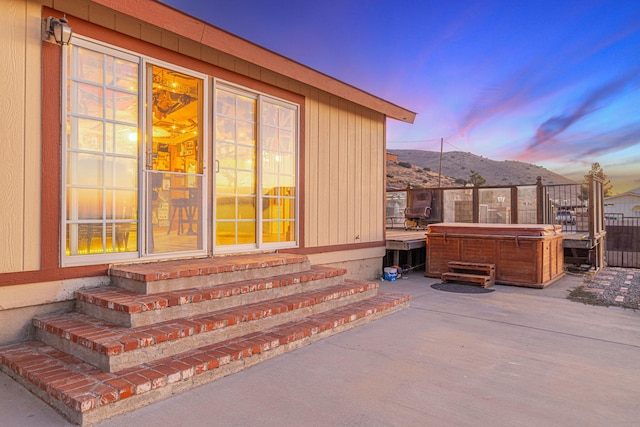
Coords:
390,274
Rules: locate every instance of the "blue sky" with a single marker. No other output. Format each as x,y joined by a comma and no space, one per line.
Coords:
553,83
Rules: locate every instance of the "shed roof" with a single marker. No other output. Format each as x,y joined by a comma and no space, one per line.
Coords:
635,192
185,25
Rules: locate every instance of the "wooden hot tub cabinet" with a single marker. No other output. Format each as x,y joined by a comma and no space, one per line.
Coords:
528,255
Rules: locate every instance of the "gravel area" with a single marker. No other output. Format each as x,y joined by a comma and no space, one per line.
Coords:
611,286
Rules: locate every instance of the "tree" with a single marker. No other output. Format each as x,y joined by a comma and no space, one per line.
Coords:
476,179
597,171
583,196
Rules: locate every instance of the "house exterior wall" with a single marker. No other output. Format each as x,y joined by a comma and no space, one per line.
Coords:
20,135
344,185
342,158
622,204
344,163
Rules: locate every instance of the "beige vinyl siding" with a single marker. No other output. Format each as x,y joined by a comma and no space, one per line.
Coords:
20,136
344,172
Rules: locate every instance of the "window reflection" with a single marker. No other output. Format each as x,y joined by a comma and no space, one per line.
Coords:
236,179
278,177
101,174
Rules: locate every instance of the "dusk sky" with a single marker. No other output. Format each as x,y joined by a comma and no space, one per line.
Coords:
555,83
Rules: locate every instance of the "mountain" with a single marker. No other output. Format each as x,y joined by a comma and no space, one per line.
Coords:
457,165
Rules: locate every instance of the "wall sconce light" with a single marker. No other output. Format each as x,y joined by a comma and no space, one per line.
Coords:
58,28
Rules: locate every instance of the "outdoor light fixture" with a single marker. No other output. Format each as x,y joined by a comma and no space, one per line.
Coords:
58,28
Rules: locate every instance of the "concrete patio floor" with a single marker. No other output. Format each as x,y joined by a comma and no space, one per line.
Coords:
512,357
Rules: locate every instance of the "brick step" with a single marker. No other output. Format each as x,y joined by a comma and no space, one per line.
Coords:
130,309
150,278
482,280
86,395
113,347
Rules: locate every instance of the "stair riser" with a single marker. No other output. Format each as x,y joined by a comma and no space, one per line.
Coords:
201,281
128,359
68,413
154,395
145,318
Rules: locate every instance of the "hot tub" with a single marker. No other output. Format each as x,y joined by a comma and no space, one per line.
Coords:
528,255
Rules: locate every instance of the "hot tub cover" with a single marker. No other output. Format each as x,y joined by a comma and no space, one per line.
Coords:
533,230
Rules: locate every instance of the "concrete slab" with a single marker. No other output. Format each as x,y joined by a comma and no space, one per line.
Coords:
515,356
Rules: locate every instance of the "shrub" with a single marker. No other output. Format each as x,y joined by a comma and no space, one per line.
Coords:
405,164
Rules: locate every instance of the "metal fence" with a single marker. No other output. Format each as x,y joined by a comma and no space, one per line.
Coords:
567,205
623,241
574,206
495,205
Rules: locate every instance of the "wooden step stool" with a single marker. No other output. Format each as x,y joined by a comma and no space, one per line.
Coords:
482,274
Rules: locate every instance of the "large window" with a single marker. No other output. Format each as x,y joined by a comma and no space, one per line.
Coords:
101,156
255,154
136,159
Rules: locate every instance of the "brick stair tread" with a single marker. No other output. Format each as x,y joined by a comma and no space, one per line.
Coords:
150,272
111,340
83,388
118,299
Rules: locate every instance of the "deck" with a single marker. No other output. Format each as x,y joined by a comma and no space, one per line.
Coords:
408,241
580,240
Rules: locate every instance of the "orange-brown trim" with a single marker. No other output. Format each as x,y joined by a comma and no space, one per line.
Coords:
50,275
333,248
50,174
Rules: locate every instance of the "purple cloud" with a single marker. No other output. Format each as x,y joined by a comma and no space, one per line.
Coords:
583,146
591,103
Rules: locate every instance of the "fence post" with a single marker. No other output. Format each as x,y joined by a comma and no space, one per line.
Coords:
540,203
514,205
476,205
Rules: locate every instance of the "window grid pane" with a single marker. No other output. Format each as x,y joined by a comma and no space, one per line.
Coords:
101,179
236,183
278,172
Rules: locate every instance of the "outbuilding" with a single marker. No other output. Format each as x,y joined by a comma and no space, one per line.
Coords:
623,205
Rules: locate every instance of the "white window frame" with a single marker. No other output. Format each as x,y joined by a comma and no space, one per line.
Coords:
103,258
260,96
208,128
145,128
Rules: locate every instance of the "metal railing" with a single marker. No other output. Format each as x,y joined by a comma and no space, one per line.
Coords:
577,207
622,241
